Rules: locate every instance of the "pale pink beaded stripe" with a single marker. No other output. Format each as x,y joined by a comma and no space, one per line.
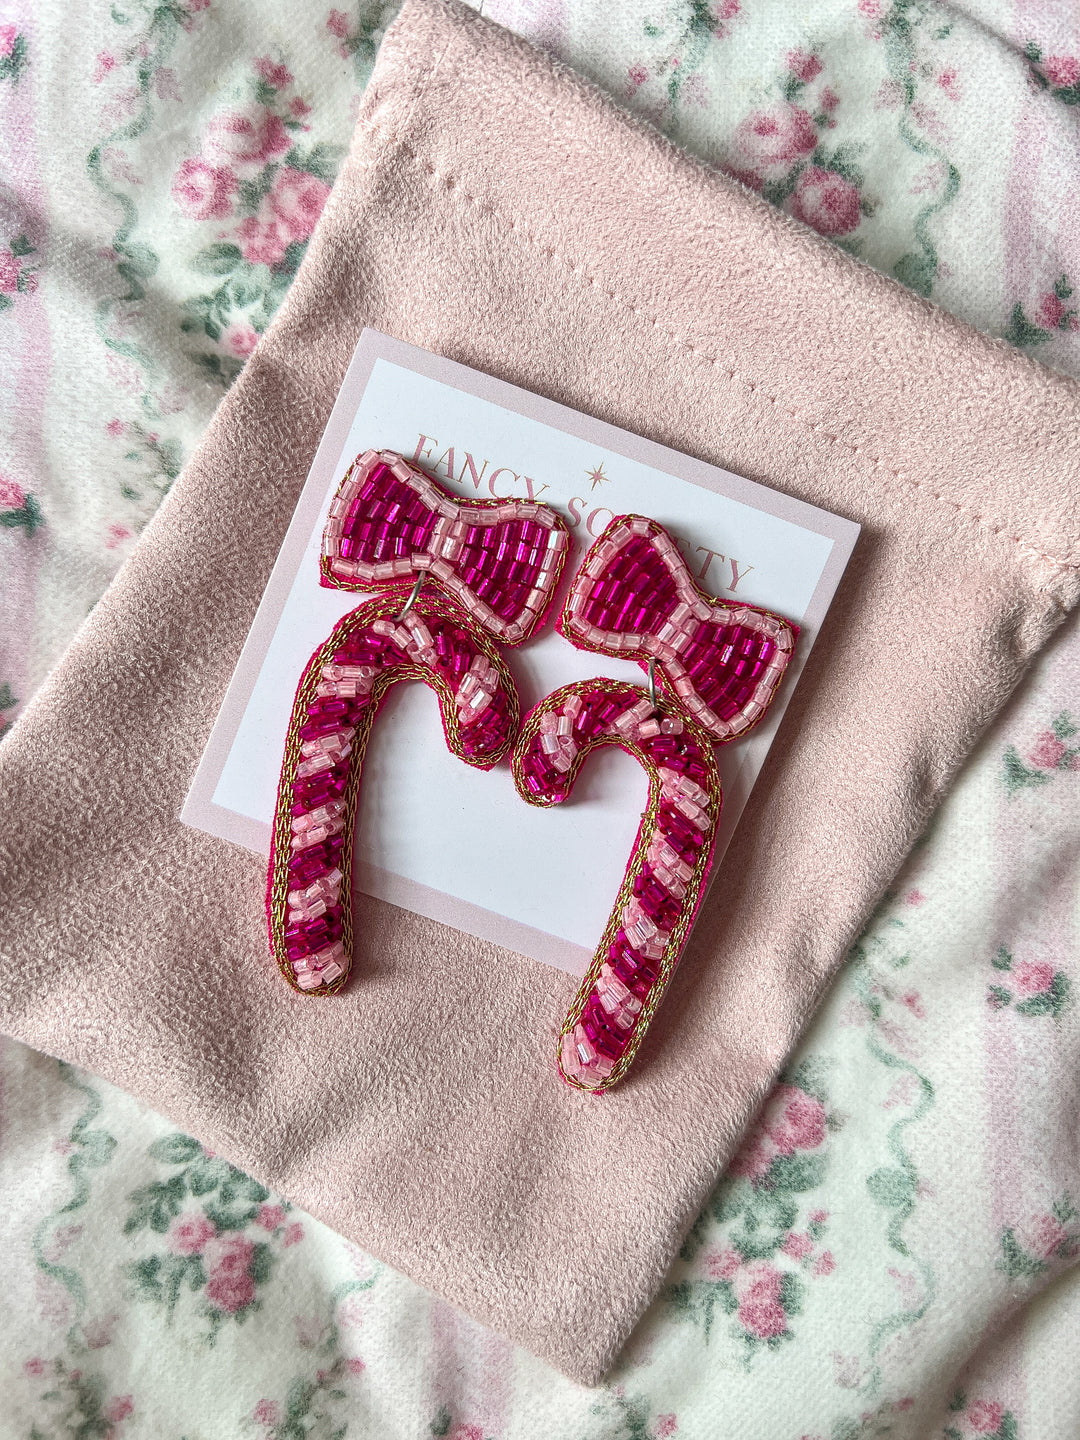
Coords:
635,598
370,649
493,569
719,666
500,560
666,872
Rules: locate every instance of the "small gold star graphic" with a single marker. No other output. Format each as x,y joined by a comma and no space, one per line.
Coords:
597,476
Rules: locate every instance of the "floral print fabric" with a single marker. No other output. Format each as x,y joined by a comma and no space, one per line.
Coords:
892,1251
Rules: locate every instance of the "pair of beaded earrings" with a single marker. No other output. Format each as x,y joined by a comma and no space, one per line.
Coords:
455,578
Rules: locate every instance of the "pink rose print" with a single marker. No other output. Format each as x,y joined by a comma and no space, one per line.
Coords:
276,75
984,1418
1049,312
826,201
12,495
466,1432
665,1425
337,22
798,1244
288,213
803,66
299,107
270,1216
754,1156
825,1264
1048,751
230,1292
775,137
792,1121
267,1412
297,199
229,1254
34,1367
204,191
913,1000
802,1121
1046,1236
9,272
1033,976
760,1312
240,340
247,139
119,1408
722,1264
1063,71
188,1234
8,35
294,1233
829,99
355,1365
263,242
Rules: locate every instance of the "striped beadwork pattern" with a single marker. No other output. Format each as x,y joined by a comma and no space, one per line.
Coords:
665,875
374,647
500,560
635,598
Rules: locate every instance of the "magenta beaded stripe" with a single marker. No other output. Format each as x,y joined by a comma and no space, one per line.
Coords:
343,685
635,598
501,559
665,875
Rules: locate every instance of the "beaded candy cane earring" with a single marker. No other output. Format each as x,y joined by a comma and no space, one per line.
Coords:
489,571
719,665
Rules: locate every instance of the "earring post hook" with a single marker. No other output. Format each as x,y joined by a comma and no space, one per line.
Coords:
413,593
652,684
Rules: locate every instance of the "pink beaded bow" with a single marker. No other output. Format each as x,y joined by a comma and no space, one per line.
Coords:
720,664
491,570
499,559
635,598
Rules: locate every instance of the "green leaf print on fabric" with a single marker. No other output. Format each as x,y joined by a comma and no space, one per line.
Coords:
986,1419
758,1274
781,151
14,53
74,1405
8,701
17,277
18,510
255,172
359,42
626,1417
320,1407
894,1187
1034,987
1052,313
1042,1243
1059,74
899,28
690,29
88,1149
222,1249
1053,750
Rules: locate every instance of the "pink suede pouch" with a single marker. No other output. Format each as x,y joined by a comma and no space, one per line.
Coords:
499,211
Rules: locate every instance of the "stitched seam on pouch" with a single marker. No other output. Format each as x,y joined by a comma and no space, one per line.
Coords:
868,461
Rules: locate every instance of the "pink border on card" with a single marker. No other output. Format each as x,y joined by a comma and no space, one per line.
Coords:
201,812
